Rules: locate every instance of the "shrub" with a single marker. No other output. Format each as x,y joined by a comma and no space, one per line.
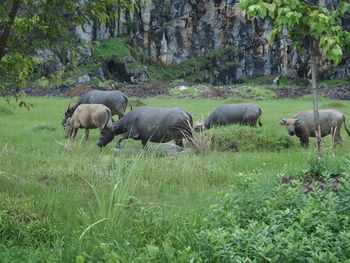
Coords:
282,225
243,138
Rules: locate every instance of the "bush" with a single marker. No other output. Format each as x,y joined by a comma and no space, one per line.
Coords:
283,225
243,138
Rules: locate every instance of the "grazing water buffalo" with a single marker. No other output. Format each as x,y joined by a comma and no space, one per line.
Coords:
303,125
244,114
88,116
115,100
150,124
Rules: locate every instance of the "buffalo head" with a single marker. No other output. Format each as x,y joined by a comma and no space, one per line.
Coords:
199,127
68,114
291,124
108,133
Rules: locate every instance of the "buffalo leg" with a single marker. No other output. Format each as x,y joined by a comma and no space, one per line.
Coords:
73,133
304,142
124,136
86,134
144,144
336,138
179,142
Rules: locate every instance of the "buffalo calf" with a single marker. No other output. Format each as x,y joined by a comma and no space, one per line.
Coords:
88,116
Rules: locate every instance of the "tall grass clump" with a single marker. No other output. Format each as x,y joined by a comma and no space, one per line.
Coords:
112,189
243,138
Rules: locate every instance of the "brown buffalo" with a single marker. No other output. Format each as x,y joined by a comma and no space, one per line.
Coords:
88,116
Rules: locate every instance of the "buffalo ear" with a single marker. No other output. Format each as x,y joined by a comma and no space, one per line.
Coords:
297,121
283,122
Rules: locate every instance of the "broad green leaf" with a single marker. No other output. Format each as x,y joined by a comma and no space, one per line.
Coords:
262,12
344,7
252,10
243,4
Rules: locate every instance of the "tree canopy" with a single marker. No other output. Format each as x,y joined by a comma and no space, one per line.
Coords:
305,21
27,26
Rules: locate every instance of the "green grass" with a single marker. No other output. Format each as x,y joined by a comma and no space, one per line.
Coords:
334,82
137,205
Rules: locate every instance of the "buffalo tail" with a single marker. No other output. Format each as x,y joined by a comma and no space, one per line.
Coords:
260,124
345,126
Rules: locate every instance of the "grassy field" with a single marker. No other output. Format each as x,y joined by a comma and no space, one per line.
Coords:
72,202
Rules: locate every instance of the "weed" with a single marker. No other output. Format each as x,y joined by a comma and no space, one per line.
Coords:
21,226
5,110
43,127
333,105
242,138
135,102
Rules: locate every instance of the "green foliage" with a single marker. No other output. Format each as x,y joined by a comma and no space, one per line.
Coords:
322,26
135,102
27,26
335,82
258,93
279,225
243,138
108,49
20,226
42,83
196,69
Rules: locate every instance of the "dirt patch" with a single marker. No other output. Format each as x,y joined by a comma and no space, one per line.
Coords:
40,128
210,92
292,92
78,91
309,182
339,93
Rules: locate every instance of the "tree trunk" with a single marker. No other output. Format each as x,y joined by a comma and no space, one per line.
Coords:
314,60
7,28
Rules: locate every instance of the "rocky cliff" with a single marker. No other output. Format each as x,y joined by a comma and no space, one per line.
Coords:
172,31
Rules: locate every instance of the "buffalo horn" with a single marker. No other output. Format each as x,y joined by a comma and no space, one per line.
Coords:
283,119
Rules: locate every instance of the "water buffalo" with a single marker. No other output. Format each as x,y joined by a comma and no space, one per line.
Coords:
115,100
244,114
150,124
303,126
88,116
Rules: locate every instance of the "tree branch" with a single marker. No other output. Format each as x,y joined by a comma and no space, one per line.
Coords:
7,28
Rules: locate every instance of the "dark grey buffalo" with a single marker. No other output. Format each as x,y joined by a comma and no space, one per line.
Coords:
243,113
115,100
151,124
303,125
